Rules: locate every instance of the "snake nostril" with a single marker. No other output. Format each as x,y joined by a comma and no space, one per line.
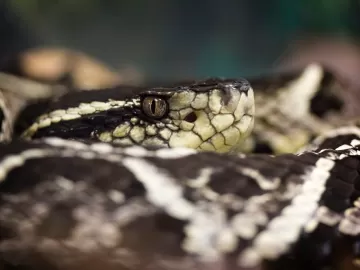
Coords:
191,117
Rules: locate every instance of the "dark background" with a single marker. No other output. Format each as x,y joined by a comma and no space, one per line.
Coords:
177,39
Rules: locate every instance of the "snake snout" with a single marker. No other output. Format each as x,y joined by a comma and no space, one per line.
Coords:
237,86
238,100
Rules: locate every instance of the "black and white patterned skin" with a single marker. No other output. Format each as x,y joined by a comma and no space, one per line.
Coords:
71,205
66,204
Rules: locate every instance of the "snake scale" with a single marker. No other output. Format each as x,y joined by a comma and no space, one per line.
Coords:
215,174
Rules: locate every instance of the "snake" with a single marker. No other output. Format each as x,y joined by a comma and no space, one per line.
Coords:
218,174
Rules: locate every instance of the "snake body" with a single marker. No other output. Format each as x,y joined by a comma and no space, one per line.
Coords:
132,178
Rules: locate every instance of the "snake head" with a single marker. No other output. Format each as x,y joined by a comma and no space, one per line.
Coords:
212,115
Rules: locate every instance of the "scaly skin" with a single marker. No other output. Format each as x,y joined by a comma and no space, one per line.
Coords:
66,204
70,205
214,115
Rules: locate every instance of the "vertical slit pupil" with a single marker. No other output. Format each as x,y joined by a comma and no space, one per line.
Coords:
153,106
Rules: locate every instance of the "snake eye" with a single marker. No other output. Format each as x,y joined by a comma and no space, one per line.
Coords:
154,107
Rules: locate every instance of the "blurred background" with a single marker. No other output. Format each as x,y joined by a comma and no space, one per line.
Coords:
167,39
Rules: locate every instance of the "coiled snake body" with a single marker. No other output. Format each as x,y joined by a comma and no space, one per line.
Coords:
153,178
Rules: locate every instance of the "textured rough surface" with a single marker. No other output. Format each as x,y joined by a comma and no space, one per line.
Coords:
76,204
66,204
